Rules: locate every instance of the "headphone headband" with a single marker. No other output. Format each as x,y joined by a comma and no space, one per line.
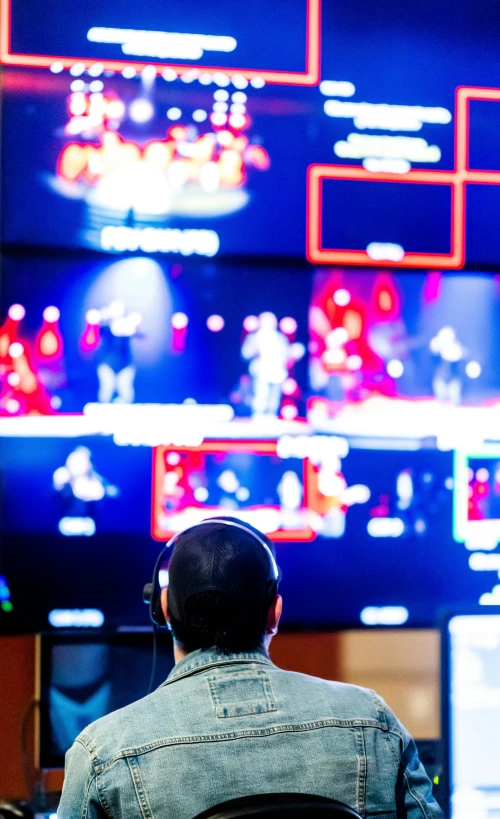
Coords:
245,529
151,593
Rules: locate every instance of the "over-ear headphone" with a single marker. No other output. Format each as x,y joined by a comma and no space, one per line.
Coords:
152,591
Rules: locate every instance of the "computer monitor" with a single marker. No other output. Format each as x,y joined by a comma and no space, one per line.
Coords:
83,676
471,713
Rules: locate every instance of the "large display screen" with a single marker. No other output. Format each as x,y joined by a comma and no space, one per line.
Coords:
349,143
352,416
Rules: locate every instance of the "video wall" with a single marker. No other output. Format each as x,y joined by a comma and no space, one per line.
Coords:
325,131
230,243
351,415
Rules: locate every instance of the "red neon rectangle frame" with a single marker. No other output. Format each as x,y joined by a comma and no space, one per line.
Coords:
462,141
309,77
224,446
317,254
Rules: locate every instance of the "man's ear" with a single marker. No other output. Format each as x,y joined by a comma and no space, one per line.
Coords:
164,603
274,615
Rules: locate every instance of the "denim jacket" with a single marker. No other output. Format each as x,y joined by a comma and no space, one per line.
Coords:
223,726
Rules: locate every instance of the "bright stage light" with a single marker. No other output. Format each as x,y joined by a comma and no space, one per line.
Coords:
215,323
238,121
200,115
148,72
179,321
221,95
93,316
473,369
221,79
228,481
251,324
77,69
12,406
290,386
129,72
51,315
218,119
141,110
482,475
189,76
337,337
17,312
95,87
342,297
239,81
174,113
257,82
16,349
288,325
13,379
57,67
289,412
201,494
169,75
354,362
96,70
395,368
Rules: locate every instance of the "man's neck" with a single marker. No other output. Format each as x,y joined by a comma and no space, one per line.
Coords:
180,653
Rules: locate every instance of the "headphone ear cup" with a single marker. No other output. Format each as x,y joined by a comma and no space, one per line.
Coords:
157,613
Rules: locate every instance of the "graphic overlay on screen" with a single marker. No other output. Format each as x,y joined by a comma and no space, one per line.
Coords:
474,715
186,36
403,357
292,489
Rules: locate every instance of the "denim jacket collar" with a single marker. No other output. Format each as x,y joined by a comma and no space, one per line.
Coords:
202,659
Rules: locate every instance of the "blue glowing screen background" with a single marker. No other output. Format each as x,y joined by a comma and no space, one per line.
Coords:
139,397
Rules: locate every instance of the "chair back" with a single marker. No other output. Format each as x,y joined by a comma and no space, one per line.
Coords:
279,805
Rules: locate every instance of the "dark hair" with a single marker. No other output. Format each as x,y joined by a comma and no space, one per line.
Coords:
214,619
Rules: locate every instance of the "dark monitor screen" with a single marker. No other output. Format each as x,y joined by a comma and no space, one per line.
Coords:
85,676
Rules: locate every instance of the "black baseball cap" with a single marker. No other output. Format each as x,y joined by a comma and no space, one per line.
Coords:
224,555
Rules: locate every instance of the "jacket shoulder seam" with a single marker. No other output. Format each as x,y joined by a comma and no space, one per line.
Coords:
226,736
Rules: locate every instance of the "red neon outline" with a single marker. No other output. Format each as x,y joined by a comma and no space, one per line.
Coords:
309,77
461,176
229,446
